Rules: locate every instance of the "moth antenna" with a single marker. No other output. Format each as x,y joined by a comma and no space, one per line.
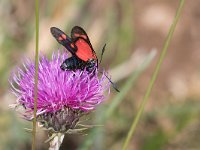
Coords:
102,52
113,84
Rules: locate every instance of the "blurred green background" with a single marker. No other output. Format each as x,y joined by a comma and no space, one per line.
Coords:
131,29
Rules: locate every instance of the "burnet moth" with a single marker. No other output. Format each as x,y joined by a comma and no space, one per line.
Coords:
83,54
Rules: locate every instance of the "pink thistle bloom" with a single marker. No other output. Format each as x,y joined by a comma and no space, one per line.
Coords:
63,96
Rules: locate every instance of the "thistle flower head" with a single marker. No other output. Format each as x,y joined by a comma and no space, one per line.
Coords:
63,96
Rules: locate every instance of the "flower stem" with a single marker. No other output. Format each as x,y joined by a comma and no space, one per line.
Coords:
36,71
56,142
154,76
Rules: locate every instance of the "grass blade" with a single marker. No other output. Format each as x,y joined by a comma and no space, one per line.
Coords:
154,76
36,71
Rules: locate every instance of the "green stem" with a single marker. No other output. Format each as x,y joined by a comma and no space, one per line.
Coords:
152,81
36,72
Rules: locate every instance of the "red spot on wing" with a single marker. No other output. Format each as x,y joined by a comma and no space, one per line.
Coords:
80,35
64,36
84,51
72,45
60,38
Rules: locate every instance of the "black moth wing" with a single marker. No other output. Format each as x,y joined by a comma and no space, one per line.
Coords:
78,32
64,40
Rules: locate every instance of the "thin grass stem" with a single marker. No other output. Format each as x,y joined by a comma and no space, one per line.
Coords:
36,71
154,76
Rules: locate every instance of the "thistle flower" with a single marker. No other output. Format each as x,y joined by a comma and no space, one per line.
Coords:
63,96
